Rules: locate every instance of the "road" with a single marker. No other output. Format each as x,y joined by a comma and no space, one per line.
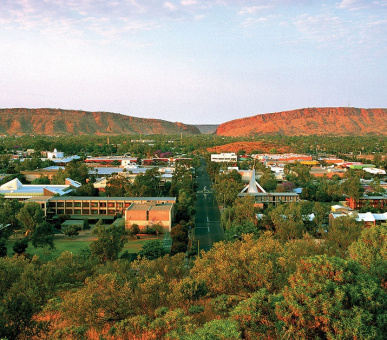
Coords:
207,218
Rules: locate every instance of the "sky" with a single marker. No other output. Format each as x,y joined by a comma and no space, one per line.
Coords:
193,61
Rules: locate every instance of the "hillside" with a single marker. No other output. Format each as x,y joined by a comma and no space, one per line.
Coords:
22,121
310,121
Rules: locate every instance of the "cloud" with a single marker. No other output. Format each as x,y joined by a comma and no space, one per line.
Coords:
358,35
253,21
355,5
188,2
103,18
252,9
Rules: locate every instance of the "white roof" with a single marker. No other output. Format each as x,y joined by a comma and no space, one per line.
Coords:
380,217
253,187
15,188
366,217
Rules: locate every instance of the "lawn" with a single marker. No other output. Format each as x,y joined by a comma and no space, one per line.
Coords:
76,244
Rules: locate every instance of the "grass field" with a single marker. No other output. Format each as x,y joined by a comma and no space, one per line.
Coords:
76,244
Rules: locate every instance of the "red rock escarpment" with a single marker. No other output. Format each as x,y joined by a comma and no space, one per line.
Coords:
310,121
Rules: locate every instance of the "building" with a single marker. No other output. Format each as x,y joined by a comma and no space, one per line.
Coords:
14,189
368,218
96,208
108,160
378,202
264,199
55,154
150,214
224,157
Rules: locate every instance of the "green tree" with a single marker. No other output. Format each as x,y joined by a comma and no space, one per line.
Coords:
3,247
227,187
8,212
134,229
256,317
41,180
30,215
110,242
152,249
43,236
370,251
330,298
352,185
223,329
117,186
20,246
268,181
341,234
244,210
71,230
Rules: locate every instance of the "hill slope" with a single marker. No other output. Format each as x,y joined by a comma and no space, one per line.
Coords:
310,121
57,122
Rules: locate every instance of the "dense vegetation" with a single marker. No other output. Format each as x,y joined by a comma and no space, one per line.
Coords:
253,288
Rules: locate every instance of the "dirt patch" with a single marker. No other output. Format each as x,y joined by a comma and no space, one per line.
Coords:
261,146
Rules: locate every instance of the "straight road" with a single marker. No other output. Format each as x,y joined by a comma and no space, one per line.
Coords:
207,218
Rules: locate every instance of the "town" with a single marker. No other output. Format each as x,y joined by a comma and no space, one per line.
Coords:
163,200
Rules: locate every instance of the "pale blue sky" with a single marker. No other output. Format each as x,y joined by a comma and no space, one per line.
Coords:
193,61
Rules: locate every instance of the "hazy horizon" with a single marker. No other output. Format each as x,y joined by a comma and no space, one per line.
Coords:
190,61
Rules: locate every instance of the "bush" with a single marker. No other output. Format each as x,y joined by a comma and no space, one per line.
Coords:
20,246
196,309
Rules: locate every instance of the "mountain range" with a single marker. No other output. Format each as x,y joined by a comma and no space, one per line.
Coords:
58,122
308,121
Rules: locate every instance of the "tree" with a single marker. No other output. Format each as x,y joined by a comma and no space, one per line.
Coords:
86,190
217,330
370,251
242,267
146,185
297,173
256,316
71,230
244,210
352,185
43,236
134,229
3,247
341,234
8,212
236,230
77,171
330,298
227,187
110,242
20,246
30,215
41,180
117,186
268,181
152,249
292,220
